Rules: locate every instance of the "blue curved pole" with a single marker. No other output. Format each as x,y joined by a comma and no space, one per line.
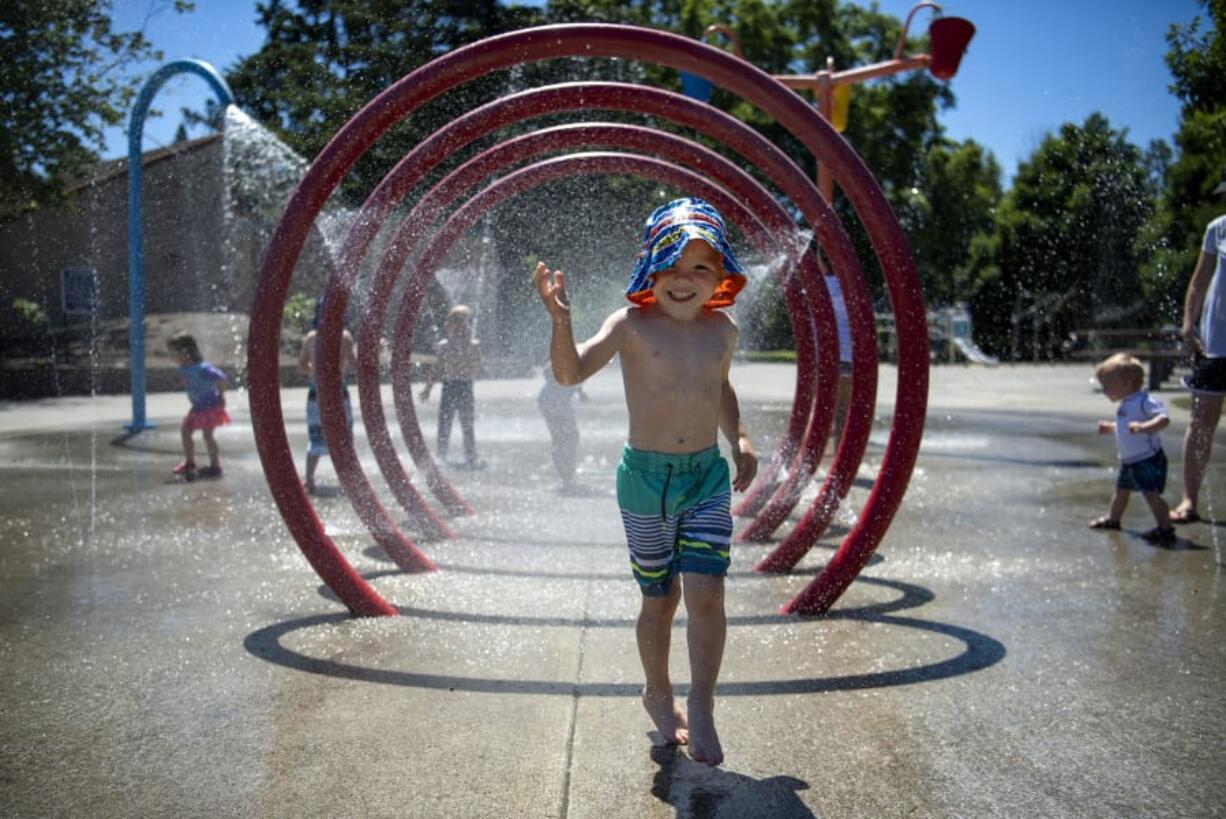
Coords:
136,251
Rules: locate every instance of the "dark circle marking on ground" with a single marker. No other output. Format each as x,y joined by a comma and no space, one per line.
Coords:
981,652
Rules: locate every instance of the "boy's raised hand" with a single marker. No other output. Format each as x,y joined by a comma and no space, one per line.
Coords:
551,287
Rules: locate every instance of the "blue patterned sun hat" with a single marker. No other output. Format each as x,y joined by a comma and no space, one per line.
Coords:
666,233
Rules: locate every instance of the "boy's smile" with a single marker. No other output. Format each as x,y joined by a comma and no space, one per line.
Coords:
692,280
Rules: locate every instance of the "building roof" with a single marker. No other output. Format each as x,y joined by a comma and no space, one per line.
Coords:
119,167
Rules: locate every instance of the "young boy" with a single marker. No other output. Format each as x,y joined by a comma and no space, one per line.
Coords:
1138,421
317,446
557,406
459,362
672,485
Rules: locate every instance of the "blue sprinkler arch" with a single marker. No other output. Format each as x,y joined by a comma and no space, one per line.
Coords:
136,251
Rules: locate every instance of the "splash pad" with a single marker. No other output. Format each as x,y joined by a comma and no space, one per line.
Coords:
812,406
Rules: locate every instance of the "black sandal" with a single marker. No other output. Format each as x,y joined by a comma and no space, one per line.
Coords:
1185,516
1105,523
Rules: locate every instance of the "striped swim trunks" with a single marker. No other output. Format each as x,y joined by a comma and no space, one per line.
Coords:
676,511
315,425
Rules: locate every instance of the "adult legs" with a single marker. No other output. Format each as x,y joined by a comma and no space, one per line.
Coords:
706,632
653,632
1197,446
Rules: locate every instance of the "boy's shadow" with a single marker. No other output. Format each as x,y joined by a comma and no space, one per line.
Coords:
696,789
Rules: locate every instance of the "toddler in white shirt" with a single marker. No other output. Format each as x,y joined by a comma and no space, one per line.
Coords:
1138,420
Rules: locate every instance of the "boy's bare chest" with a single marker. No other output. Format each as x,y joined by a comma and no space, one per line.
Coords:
676,358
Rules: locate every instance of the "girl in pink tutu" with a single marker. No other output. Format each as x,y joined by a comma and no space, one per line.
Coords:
206,389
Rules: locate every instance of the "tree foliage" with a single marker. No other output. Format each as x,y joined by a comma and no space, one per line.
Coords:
62,82
324,59
954,200
1063,238
1171,239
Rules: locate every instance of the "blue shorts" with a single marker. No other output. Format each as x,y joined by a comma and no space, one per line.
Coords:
1148,475
1208,375
676,512
317,446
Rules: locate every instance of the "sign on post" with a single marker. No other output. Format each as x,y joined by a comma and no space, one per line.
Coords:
79,286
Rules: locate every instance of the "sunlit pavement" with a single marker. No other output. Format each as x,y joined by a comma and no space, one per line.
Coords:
167,651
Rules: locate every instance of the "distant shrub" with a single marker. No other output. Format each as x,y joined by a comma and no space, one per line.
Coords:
298,313
31,314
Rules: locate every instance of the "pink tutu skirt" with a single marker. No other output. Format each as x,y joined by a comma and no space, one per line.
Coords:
206,418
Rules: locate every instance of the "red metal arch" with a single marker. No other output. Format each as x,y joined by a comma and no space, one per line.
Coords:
595,41
600,135
759,203
684,111
615,96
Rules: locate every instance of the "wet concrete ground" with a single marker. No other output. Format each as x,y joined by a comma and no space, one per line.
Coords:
167,651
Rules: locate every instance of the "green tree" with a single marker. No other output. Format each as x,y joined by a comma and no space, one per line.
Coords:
322,60
1064,237
892,122
1171,238
954,200
62,82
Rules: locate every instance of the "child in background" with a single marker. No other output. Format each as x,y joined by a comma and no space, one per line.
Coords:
1138,420
458,361
317,446
673,486
206,387
557,406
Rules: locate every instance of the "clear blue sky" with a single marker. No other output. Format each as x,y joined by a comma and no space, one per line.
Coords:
1031,67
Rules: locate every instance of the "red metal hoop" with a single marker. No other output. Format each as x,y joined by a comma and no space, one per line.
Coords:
593,41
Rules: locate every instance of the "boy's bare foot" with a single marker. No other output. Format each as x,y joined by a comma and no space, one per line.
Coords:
704,741
667,715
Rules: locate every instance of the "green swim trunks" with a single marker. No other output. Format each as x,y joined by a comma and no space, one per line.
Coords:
676,510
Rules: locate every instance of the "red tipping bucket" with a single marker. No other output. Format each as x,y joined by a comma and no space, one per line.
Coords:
948,37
